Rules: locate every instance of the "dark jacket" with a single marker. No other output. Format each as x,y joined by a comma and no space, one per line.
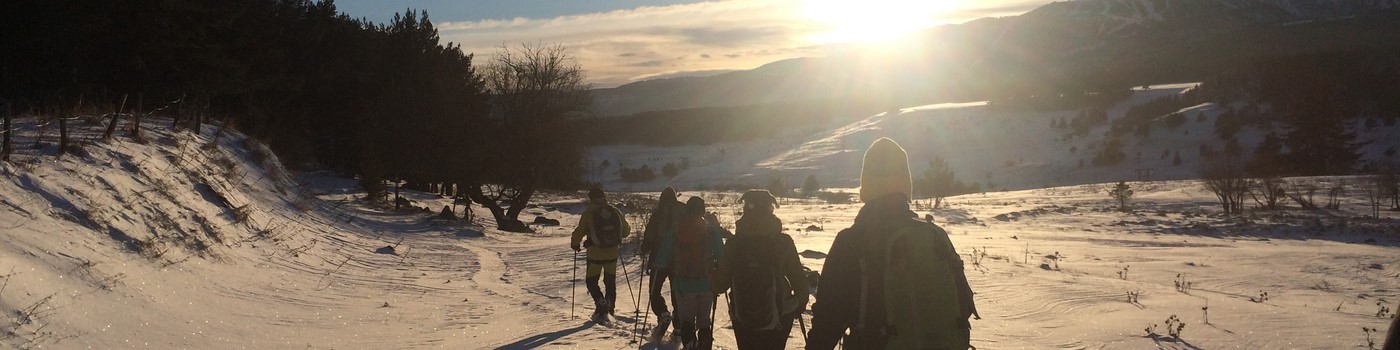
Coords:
789,265
661,222
838,305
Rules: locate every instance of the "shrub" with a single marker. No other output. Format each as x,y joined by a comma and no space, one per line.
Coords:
1121,193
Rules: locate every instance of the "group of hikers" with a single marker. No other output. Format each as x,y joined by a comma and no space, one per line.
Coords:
889,281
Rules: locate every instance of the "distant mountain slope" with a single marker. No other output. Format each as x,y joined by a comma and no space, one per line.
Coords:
1063,46
998,150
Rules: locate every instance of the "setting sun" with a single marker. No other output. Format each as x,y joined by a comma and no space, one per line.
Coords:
873,21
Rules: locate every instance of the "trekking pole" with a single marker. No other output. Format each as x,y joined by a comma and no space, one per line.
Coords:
623,262
574,294
646,314
714,305
802,322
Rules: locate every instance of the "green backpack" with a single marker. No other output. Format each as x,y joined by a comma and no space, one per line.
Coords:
927,299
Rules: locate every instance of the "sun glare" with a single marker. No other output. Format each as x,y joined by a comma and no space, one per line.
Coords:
873,20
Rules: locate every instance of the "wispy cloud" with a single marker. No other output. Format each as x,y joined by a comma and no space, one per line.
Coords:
622,46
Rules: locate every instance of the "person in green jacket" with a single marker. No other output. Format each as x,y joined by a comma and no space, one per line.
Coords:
691,252
604,227
762,266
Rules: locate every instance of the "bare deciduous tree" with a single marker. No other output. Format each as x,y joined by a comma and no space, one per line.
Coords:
1388,181
1268,192
1372,187
1334,194
1225,177
535,89
1301,191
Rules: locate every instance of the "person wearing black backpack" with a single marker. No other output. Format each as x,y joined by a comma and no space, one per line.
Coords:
601,229
893,281
764,276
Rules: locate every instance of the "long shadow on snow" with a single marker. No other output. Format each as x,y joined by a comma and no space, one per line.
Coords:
1326,226
542,339
1174,343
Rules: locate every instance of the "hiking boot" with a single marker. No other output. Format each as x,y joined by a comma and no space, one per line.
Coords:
663,321
705,338
600,310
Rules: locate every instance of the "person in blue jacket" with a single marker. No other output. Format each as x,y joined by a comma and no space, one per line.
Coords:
692,251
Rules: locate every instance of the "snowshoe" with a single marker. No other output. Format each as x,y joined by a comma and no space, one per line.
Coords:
602,319
600,316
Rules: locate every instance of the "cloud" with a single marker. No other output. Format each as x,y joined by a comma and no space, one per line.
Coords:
683,74
647,64
733,36
618,47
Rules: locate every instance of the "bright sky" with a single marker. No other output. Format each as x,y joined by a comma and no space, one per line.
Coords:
621,41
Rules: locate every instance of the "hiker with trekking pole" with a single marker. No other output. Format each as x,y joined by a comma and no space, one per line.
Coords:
892,280
601,229
763,275
660,224
691,251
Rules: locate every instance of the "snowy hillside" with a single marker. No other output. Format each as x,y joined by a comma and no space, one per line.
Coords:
998,150
171,244
122,248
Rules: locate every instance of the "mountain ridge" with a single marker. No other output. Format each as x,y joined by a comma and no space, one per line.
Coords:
1064,46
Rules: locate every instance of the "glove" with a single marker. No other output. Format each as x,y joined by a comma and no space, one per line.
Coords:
792,306
575,247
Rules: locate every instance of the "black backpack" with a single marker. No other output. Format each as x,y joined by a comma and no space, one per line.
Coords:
607,227
758,286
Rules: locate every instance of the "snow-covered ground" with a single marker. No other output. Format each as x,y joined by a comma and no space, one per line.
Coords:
168,244
998,150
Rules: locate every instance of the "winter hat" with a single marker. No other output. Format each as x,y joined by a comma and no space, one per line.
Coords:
695,206
759,201
668,195
885,171
596,193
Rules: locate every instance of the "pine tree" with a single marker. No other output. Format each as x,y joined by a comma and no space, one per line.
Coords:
777,186
1319,144
1121,193
810,187
1268,157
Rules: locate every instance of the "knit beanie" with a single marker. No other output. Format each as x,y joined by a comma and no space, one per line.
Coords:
885,171
695,206
758,201
668,196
